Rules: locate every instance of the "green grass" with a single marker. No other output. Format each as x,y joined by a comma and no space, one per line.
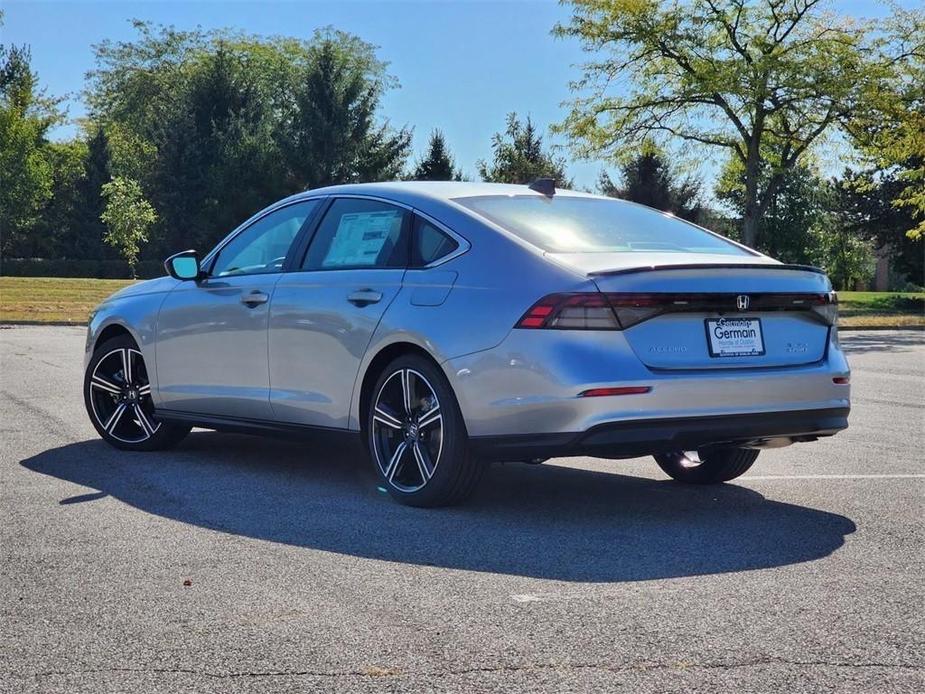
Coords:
872,309
65,300
52,299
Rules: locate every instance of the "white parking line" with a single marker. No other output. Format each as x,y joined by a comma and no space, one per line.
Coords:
833,477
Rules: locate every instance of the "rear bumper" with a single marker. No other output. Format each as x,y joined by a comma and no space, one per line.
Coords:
629,439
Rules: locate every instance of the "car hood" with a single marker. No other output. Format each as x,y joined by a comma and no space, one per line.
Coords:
161,284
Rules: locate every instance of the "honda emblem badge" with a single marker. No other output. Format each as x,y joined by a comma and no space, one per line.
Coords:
742,302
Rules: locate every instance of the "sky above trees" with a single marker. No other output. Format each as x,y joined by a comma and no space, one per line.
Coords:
465,88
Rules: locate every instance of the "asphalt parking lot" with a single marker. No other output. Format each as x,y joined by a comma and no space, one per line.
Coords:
244,564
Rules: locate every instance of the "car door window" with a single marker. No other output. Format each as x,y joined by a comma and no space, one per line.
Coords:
429,244
262,247
358,233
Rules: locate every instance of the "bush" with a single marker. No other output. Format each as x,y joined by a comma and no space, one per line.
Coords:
61,267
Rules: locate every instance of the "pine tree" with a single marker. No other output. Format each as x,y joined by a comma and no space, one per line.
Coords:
438,164
518,156
648,179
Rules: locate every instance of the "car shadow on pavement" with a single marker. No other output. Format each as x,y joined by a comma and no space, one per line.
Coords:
546,521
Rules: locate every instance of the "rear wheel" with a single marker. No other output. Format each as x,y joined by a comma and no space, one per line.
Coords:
417,436
707,466
117,394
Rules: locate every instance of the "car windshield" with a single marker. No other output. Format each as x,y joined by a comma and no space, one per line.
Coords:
593,225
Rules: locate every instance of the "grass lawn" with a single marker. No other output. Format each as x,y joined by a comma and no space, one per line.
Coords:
871,309
52,299
65,300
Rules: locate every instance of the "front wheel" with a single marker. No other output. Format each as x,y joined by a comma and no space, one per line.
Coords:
117,394
707,466
417,437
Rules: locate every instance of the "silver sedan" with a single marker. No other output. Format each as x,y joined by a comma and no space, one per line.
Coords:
451,324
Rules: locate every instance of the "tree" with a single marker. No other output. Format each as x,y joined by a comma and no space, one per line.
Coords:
437,164
804,223
216,125
26,175
866,209
128,216
648,179
81,202
889,128
518,156
336,138
764,80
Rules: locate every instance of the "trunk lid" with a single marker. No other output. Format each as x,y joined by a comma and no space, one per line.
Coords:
716,312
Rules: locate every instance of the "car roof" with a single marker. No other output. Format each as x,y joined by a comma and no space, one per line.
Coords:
411,192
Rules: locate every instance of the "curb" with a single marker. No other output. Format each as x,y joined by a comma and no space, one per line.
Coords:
870,328
58,324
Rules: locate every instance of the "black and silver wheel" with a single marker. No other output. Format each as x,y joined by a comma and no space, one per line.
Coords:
117,394
707,466
417,437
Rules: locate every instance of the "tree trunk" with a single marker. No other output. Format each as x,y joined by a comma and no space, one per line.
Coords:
750,227
752,214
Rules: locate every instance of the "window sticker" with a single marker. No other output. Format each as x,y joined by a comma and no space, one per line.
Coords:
360,237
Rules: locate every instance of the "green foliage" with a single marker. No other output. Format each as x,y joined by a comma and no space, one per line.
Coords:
648,179
128,216
762,79
518,156
889,126
26,171
804,223
866,205
437,164
216,125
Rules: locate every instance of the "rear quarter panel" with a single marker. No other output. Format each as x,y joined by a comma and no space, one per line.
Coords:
496,281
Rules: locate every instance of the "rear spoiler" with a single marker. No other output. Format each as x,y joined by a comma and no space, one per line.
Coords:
707,266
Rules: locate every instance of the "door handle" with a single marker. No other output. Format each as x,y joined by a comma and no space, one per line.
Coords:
364,297
255,298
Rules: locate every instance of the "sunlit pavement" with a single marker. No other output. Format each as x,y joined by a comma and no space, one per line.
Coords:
245,564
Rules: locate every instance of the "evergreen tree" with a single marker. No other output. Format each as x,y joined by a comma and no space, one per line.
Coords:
438,164
84,235
336,137
648,179
518,156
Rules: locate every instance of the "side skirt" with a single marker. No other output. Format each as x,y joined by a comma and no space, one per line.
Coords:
262,427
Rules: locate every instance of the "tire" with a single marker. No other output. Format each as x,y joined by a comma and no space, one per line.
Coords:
417,438
121,408
707,466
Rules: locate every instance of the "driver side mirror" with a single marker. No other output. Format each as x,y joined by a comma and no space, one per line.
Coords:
183,265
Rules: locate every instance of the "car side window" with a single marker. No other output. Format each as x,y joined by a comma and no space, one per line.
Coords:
262,247
429,243
358,233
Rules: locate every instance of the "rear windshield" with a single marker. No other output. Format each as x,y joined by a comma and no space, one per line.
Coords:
593,225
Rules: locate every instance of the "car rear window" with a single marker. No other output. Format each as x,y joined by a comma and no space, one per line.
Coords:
593,225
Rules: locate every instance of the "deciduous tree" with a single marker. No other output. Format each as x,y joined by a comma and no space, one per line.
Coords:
127,216
763,79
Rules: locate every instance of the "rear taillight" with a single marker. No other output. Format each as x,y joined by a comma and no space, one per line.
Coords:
618,311
589,311
826,307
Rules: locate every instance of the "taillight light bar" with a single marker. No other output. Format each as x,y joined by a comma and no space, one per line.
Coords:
619,311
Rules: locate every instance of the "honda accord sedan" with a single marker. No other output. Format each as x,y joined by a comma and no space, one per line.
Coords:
447,325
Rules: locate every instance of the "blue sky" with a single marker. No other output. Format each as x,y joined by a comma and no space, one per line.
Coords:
462,65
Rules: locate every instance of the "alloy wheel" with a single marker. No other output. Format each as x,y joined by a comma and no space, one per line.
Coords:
120,396
407,430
